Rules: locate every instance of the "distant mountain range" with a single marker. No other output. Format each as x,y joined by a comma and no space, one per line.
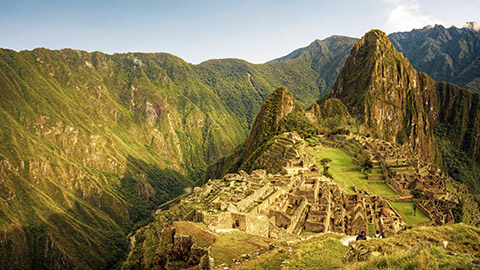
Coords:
446,54
92,143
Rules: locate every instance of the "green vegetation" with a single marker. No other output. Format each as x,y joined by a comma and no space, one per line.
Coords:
321,252
204,237
409,214
343,171
268,261
417,193
429,51
420,248
298,122
230,246
455,161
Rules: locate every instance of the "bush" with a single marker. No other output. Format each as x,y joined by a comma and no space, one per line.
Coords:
340,131
417,193
328,174
325,161
457,212
367,165
401,136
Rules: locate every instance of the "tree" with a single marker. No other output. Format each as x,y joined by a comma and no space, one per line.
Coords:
325,161
367,165
417,193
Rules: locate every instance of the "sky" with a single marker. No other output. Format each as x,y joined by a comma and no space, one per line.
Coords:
198,30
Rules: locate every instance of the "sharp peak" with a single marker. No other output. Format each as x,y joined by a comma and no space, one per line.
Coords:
375,40
472,26
282,90
375,34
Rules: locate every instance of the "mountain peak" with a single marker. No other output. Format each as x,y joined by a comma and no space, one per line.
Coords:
277,105
375,84
472,26
370,59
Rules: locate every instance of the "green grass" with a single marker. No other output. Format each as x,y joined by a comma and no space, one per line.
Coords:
230,246
271,260
323,252
397,251
341,160
203,236
405,210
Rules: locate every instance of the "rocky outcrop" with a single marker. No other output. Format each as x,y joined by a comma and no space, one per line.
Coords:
392,101
278,105
384,94
330,113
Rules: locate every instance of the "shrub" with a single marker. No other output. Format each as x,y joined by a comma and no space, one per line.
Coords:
417,193
340,131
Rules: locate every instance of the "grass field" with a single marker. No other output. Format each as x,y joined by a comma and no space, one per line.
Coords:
347,179
201,233
229,246
322,252
405,210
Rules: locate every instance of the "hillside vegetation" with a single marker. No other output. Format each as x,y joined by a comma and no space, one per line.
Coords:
92,143
446,54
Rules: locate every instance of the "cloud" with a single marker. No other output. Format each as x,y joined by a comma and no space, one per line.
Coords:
406,15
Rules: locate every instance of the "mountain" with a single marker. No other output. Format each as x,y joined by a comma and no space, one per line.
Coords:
244,220
446,54
321,60
392,101
92,143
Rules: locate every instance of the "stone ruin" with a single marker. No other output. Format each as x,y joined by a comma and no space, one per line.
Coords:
281,205
302,199
287,154
404,171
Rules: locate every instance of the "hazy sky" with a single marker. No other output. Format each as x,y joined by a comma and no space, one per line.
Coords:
254,30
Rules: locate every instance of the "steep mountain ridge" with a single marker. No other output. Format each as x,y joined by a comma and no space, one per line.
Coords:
382,91
91,143
392,101
322,60
277,106
446,54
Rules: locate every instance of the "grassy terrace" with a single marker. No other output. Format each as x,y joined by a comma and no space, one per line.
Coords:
405,210
229,246
341,161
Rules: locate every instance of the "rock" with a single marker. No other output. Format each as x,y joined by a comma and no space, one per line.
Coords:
243,173
259,173
417,248
444,244
376,254
223,206
197,190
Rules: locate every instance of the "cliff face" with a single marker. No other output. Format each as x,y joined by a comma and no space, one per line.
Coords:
384,93
392,101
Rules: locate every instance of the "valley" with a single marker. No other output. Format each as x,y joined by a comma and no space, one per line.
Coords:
93,144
